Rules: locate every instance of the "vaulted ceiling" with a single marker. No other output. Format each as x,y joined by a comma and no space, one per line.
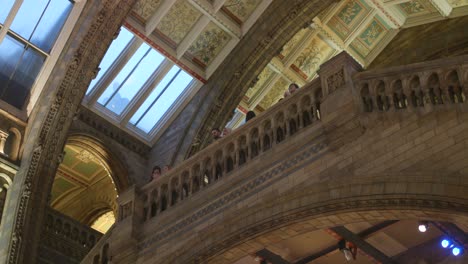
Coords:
83,188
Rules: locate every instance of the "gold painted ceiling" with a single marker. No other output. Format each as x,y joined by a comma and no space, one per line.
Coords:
360,27
82,186
198,34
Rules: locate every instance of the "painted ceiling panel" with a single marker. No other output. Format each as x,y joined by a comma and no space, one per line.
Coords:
416,8
60,187
289,47
241,9
179,21
276,93
145,8
344,22
209,44
69,160
369,37
262,78
310,59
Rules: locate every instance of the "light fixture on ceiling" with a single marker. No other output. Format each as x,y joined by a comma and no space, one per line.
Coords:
423,226
449,244
349,251
456,251
445,243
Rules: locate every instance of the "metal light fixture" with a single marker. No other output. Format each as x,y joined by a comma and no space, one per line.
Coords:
423,226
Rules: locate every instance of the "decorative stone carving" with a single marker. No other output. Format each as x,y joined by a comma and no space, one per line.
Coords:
335,81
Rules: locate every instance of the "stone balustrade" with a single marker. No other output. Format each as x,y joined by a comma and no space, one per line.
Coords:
226,154
420,85
316,121
68,236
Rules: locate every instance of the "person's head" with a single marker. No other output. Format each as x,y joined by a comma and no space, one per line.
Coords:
216,133
249,115
293,87
226,131
156,172
166,168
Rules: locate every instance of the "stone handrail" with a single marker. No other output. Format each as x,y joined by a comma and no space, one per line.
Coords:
419,85
64,234
223,156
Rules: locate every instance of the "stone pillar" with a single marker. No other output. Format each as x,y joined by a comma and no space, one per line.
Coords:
339,94
123,240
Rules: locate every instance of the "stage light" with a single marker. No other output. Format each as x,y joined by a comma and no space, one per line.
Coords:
445,243
423,226
456,251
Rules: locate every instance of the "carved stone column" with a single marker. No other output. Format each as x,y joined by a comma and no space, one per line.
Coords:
3,138
49,124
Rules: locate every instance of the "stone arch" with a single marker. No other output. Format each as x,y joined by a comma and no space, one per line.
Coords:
113,164
334,203
454,87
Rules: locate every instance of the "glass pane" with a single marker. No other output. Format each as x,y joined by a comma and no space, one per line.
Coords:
27,17
51,24
171,94
5,9
154,94
135,81
123,74
117,46
18,71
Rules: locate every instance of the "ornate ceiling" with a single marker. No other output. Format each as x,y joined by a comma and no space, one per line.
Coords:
83,188
363,28
196,34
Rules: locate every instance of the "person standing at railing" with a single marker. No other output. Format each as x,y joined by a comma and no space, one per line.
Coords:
216,134
156,174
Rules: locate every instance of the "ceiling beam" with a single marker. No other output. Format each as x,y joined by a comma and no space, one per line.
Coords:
217,4
157,16
271,257
363,235
254,16
443,6
219,18
388,14
362,245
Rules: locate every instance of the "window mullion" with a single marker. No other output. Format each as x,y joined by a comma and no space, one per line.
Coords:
145,92
127,77
113,71
157,98
9,20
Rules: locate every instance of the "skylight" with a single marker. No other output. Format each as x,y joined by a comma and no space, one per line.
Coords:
136,85
27,44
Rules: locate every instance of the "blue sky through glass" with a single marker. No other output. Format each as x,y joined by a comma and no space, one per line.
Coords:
137,73
154,94
117,46
135,81
27,17
123,74
5,9
170,95
51,24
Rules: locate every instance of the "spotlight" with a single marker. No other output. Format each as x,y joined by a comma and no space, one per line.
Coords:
423,226
445,243
456,251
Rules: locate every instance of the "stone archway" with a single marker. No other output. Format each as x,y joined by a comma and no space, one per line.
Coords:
88,182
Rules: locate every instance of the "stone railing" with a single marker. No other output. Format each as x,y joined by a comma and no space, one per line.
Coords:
420,85
237,149
65,235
